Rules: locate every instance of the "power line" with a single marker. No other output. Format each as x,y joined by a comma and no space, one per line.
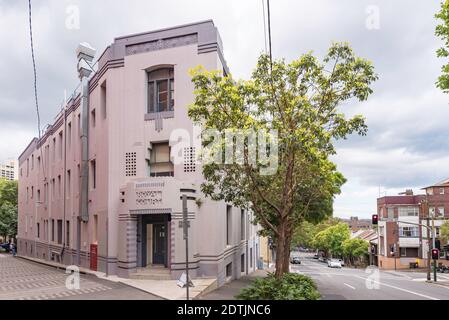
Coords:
269,30
36,101
264,25
35,72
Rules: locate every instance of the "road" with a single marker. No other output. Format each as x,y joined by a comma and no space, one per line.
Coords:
25,280
361,284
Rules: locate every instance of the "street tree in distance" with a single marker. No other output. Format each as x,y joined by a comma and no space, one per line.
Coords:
300,101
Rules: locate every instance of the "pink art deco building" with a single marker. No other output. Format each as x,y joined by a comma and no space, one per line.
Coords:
139,94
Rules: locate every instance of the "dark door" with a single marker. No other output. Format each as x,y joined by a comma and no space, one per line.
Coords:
159,243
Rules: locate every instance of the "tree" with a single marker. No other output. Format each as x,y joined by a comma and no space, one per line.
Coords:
8,208
332,238
355,249
306,231
444,233
299,101
442,31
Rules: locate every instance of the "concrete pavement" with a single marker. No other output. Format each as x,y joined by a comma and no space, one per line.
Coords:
371,284
25,280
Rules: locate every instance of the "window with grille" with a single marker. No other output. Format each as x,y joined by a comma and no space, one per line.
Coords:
130,164
189,159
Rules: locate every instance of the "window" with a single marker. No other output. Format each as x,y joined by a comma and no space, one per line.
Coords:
54,149
429,191
242,224
59,231
251,257
228,225
28,167
79,125
32,162
38,163
242,263
53,187
103,101
409,252
59,187
61,145
67,233
38,230
38,195
408,211
159,162
408,232
441,211
441,190
92,118
390,212
32,192
52,229
68,183
432,211
161,90
95,231
69,134
93,174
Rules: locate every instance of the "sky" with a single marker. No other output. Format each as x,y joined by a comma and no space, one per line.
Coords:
407,145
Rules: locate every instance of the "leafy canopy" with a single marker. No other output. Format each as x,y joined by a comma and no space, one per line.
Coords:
442,31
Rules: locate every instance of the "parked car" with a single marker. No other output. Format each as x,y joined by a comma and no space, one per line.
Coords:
295,260
334,263
342,262
315,256
5,246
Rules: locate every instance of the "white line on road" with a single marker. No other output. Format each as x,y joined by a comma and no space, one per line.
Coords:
401,289
348,285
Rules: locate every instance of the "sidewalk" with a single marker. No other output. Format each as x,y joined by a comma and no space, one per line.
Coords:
229,290
166,289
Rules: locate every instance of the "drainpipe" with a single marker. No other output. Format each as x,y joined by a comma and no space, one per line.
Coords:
85,54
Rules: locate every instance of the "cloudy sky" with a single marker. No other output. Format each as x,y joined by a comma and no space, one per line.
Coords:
408,141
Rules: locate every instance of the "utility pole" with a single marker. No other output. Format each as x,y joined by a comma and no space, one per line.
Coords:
85,54
186,238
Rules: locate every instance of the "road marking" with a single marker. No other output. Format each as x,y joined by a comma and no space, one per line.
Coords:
398,288
348,285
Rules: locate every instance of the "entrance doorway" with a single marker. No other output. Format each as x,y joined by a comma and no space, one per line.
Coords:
159,243
153,240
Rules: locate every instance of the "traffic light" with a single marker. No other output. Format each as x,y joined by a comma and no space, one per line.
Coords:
375,219
435,254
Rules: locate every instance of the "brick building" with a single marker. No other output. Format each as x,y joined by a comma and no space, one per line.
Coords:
402,229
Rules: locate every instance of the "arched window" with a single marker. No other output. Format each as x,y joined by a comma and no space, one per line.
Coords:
161,93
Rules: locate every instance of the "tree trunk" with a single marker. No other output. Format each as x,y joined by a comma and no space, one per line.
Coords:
283,243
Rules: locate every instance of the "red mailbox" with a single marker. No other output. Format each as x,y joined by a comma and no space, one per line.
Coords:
93,256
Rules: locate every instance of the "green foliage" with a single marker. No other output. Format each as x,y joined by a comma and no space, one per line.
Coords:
331,239
306,231
291,286
444,233
442,31
355,248
8,208
300,101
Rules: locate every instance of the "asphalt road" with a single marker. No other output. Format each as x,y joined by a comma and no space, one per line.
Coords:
372,284
21,279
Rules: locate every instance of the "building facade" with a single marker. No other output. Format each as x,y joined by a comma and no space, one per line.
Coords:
404,223
356,224
138,100
9,170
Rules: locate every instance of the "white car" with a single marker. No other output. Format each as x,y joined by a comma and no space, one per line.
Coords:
333,263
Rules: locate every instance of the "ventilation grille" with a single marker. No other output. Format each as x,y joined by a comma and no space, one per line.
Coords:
130,164
189,159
